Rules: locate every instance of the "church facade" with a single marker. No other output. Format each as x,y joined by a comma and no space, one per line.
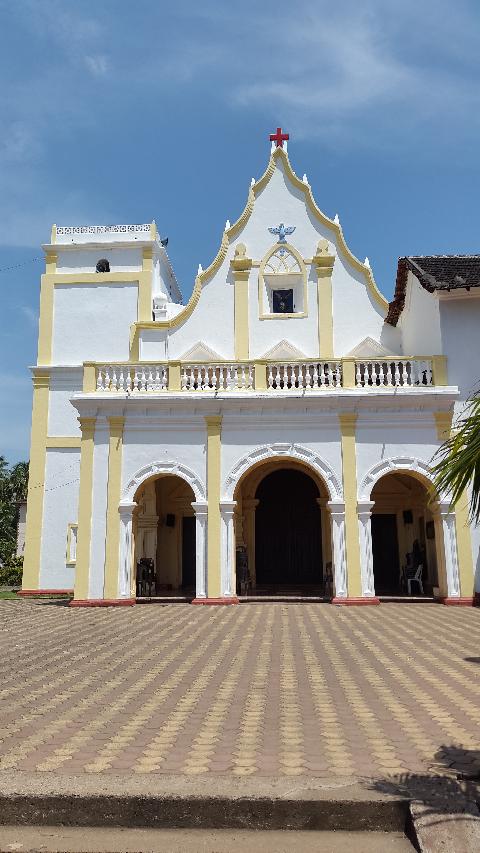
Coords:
272,437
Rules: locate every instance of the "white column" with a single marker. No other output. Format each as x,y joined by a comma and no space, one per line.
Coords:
201,512
125,551
364,509
227,509
337,514
450,549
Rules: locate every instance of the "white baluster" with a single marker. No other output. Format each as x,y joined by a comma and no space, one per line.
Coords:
315,375
338,374
100,385
135,379
164,380
358,373
429,372
396,374
329,374
250,376
270,376
121,378
113,386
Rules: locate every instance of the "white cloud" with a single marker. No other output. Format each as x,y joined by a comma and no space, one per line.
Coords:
97,65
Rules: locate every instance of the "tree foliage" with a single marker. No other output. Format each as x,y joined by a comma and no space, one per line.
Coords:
458,459
13,488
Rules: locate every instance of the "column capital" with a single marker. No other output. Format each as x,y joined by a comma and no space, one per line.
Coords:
126,508
200,509
117,422
87,424
364,508
227,508
348,420
213,421
337,508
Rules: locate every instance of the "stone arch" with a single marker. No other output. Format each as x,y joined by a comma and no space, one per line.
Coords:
158,468
283,451
405,464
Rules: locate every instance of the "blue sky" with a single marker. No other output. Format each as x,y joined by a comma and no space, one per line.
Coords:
114,111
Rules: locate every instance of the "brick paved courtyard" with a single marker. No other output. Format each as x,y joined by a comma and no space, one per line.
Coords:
266,690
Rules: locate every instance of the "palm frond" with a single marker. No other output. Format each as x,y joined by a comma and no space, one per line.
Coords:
458,459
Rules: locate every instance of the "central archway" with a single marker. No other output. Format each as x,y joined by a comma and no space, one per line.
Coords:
288,536
282,530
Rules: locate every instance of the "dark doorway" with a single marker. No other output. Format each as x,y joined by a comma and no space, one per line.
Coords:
288,538
386,566
188,552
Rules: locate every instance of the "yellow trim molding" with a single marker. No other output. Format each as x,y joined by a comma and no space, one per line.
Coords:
36,480
214,446
439,369
85,500
324,262
63,441
113,500
145,286
241,266
349,476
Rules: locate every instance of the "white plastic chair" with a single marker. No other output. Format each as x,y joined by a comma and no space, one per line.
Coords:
418,578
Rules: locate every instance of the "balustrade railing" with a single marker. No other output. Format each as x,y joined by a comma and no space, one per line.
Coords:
308,375
392,374
269,376
132,377
216,377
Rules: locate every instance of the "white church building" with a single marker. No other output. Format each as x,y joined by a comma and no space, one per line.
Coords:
272,437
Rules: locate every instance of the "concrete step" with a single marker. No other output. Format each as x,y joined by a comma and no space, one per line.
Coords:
93,840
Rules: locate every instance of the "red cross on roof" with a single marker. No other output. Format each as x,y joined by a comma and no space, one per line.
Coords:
279,138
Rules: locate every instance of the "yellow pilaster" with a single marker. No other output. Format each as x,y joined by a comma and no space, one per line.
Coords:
113,500
260,376
145,287
174,376
348,372
443,422
45,326
324,262
82,572
439,365
241,266
89,377
36,480
349,474
214,428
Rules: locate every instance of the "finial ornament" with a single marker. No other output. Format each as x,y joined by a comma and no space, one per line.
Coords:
336,219
200,269
227,225
366,263
253,182
279,138
322,247
240,251
305,180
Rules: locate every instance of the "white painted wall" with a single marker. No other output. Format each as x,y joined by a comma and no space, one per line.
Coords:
164,440
419,321
92,322
460,325
62,417
242,434
382,436
85,260
60,507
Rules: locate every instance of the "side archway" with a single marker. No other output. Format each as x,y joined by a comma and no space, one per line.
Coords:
406,464
156,469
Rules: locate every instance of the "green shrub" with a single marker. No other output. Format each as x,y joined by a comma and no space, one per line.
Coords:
11,575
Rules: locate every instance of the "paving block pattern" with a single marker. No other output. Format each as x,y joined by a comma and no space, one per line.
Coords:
260,689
